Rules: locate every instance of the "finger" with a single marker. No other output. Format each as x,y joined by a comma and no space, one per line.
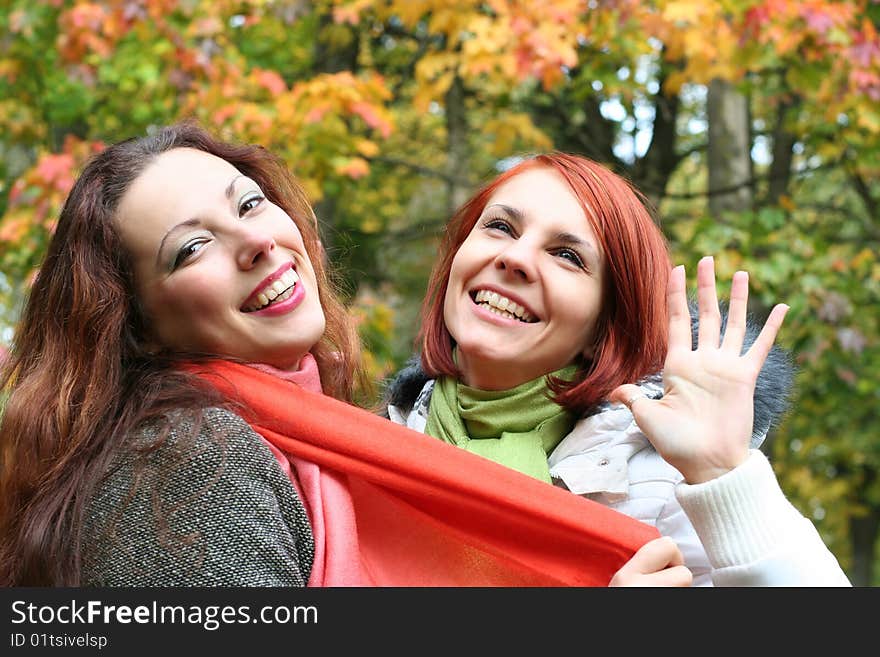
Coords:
679,317
757,353
655,555
627,394
735,329
649,560
707,300
677,576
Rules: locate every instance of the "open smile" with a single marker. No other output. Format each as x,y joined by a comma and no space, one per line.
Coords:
500,305
280,287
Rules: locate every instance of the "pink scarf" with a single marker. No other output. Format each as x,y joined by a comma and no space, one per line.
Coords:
336,544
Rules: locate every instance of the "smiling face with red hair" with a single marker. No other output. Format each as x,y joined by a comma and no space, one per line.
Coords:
600,262
525,287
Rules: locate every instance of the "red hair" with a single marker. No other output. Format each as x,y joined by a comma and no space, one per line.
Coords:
631,328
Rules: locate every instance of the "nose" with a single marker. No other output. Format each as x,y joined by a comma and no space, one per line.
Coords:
517,259
252,245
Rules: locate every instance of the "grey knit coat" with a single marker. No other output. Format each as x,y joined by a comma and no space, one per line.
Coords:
210,509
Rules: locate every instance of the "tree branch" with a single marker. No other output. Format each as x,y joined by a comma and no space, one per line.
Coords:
746,183
864,193
422,170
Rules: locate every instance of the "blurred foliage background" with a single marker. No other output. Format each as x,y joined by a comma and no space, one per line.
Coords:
752,125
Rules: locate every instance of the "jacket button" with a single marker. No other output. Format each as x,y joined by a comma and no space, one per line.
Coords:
604,461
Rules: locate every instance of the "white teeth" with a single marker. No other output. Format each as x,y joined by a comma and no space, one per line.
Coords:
502,306
278,290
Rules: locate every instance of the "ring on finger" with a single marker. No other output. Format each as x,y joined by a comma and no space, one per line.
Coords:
634,398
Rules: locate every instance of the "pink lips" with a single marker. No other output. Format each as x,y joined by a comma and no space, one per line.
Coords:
271,278
280,307
283,307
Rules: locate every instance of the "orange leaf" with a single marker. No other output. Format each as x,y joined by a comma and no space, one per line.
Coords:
270,80
56,170
14,226
354,168
372,118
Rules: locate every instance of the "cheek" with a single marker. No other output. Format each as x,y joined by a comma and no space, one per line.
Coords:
582,310
286,230
188,300
467,263
449,310
456,271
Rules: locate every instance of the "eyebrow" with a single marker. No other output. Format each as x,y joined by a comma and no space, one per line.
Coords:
189,223
230,189
567,238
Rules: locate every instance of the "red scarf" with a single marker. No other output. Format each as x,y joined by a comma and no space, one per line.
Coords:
428,513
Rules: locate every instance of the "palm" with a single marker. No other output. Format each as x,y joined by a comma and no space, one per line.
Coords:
703,423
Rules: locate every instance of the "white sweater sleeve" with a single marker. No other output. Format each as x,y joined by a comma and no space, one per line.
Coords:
753,535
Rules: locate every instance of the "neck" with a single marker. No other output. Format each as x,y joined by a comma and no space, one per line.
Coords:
492,375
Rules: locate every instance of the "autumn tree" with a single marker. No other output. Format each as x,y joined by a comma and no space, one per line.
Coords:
753,126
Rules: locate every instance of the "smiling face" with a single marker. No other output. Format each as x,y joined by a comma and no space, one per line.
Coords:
218,267
525,288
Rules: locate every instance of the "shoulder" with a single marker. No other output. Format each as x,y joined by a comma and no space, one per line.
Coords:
189,502
415,414
607,458
404,388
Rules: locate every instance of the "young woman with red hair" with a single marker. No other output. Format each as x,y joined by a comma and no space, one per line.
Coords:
175,410
553,293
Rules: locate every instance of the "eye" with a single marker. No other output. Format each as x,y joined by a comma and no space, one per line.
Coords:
496,223
187,251
571,256
250,203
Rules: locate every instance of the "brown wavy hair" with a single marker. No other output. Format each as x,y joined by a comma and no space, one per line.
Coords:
631,328
81,375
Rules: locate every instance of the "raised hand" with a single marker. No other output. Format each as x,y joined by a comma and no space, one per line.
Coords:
656,563
703,422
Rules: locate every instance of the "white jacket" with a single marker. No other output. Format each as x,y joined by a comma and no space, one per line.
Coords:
736,530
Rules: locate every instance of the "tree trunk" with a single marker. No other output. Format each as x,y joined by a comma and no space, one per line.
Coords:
651,173
863,532
332,59
456,145
780,168
729,152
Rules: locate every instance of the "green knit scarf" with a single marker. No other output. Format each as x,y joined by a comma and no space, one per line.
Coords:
518,427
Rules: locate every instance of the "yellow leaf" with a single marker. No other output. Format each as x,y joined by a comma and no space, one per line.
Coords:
367,148
686,11
431,66
672,85
868,118
355,168
15,225
432,92
864,256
